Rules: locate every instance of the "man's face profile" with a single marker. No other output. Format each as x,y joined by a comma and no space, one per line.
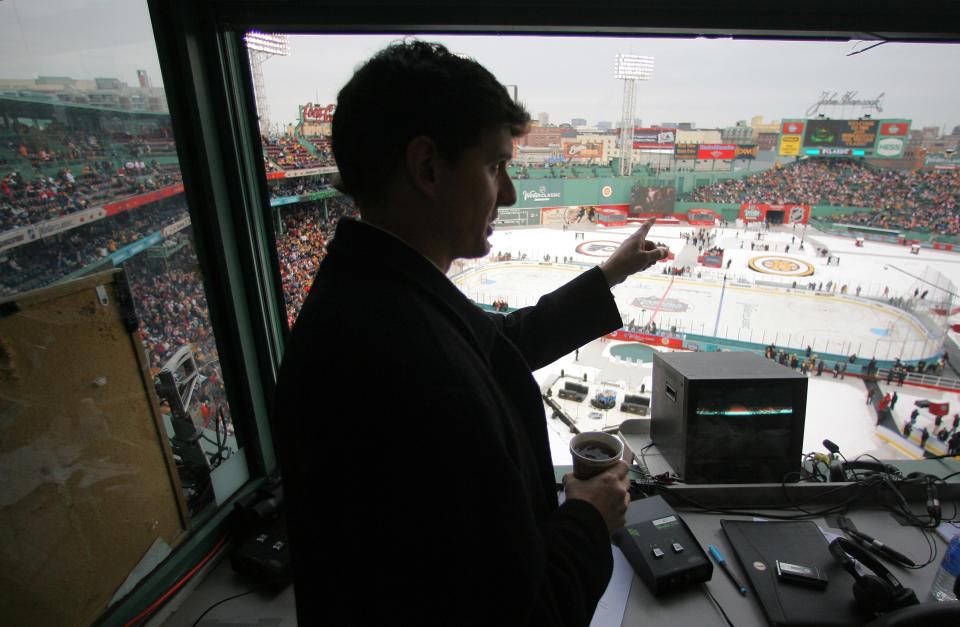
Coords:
470,189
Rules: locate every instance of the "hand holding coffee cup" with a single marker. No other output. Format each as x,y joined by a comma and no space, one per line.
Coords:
594,452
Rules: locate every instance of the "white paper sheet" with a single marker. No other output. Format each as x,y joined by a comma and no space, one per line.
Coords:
613,603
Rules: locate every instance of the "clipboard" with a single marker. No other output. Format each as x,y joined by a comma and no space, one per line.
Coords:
758,546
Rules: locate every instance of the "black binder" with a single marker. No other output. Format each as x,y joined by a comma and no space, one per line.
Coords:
758,546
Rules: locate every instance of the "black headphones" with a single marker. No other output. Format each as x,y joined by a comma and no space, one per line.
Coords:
839,469
877,593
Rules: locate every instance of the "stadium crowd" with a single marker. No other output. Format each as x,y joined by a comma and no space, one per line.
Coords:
302,246
172,311
287,153
25,201
55,144
299,186
917,200
45,261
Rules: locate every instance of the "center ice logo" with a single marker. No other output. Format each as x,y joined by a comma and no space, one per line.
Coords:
780,266
671,305
598,248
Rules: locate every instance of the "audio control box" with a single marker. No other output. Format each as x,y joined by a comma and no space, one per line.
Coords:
661,548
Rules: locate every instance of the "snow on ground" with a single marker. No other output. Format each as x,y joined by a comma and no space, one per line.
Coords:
760,313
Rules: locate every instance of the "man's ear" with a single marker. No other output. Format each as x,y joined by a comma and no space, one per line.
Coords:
421,161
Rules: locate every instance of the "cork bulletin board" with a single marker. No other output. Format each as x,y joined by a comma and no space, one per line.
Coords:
88,482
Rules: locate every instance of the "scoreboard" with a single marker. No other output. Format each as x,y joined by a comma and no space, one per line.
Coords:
822,137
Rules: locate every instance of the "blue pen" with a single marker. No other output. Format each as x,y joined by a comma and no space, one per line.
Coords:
722,563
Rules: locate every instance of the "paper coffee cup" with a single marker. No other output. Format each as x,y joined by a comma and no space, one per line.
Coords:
593,452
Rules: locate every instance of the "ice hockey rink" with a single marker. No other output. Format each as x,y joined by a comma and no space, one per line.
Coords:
762,295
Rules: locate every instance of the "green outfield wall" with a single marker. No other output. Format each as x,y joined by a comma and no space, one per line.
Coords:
576,186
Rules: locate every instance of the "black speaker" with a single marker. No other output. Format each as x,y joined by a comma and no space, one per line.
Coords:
878,593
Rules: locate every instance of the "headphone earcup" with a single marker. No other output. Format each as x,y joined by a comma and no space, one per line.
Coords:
836,471
874,595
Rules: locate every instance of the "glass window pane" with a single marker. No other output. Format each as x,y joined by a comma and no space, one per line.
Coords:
764,161
120,433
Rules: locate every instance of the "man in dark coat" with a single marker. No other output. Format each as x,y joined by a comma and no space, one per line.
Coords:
411,433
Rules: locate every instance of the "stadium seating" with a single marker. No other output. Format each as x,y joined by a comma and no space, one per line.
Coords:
914,200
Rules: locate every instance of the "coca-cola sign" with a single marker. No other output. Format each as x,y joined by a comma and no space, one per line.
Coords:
317,114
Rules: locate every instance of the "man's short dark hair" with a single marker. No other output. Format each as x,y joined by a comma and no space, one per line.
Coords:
408,89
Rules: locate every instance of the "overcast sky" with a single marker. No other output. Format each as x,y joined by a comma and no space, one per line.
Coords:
709,82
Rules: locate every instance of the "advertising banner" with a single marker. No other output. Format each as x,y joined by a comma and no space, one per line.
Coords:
792,127
890,147
657,200
795,213
113,208
942,161
716,151
135,248
787,213
646,338
16,237
293,174
517,216
176,227
289,200
612,215
686,151
751,212
713,261
583,150
841,133
790,145
317,114
608,215
65,223
23,235
746,151
541,193
901,129
654,137
701,216
829,151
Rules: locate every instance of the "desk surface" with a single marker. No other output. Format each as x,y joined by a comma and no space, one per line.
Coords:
687,607
694,607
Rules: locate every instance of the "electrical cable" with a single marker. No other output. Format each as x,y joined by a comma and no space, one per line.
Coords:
150,609
811,514
719,607
222,601
879,43
643,460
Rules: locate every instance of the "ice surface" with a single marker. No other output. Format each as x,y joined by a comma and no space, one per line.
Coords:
775,313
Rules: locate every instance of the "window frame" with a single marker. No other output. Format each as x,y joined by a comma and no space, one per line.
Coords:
210,95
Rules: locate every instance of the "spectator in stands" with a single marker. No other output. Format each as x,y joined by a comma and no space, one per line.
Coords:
427,190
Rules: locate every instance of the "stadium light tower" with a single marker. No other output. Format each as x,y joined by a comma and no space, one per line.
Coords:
262,46
630,68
